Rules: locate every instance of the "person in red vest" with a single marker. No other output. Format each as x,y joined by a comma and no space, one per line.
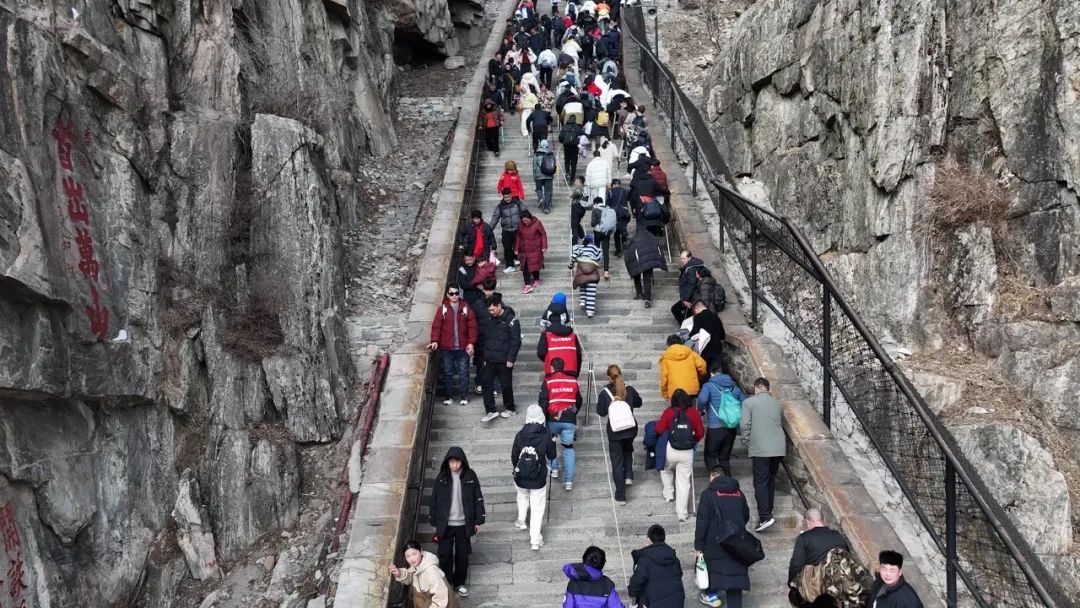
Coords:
559,341
560,398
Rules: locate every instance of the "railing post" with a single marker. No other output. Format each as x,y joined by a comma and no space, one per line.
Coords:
693,181
753,276
950,534
826,355
671,117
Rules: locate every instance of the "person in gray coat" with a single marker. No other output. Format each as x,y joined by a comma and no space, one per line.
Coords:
762,426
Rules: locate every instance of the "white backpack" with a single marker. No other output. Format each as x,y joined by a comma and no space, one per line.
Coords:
620,416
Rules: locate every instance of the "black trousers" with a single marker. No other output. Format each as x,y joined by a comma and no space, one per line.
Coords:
622,464
621,237
493,370
454,549
536,137
545,76
765,468
491,137
604,240
478,361
570,155
508,240
718,444
528,276
643,284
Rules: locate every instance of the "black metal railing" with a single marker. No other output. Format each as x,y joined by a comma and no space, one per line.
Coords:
414,489
980,545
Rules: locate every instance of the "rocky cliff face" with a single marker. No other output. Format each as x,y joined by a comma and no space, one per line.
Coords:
928,150
174,181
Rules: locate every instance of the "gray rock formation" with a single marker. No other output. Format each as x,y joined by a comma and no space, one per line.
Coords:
192,530
854,117
174,182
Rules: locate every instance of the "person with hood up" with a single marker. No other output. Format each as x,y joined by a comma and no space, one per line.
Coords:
555,314
597,176
682,422
491,121
657,578
529,247
680,368
588,587
510,178
643,256
890,589
544,181
533,448
620,443
508,215
423,575
585,260
457,512
688,277
721,399
722,508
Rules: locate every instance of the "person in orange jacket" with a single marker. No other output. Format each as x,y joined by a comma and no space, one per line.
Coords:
680,367
511,179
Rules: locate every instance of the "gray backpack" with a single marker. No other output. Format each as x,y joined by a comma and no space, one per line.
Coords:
608,220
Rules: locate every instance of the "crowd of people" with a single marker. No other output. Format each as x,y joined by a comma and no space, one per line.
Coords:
561,72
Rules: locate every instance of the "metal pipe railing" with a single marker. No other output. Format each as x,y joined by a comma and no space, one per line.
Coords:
978,541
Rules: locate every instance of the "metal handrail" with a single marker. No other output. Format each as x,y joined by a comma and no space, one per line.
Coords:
798,250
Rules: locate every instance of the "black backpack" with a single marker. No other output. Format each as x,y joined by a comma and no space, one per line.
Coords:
719,298
652,210
548,164
681,435
528,466
570,134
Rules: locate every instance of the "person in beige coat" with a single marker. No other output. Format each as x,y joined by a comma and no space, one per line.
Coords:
429,586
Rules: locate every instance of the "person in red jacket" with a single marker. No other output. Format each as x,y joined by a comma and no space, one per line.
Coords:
529,248
453,332
511,179
682,423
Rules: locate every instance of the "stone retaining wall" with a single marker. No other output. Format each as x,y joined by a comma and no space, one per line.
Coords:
380,513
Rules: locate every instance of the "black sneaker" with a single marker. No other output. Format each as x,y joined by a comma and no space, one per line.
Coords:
648,303
638,296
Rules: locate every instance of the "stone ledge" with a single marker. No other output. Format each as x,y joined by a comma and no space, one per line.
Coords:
380,510
832,474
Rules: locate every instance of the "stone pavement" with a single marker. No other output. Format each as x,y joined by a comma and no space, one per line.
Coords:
505,571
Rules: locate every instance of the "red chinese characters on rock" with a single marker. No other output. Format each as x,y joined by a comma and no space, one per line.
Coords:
15,582
79,227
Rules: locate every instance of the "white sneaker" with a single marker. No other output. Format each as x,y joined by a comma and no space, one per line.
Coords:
568,486
463,591
765,524
554,473
448,402
506,413
509,269
488,417
536,546
464,402
479,390
520,525
629,482
682,519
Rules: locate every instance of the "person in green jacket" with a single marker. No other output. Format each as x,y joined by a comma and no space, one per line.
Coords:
761,425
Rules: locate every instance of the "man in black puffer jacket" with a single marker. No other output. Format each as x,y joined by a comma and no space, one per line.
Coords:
688,278
657,578
457,512
502,341
643,256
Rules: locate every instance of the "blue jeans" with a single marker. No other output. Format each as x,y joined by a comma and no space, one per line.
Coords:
543,193
565,431
455,373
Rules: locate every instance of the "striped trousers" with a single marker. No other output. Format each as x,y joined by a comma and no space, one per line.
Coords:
588,298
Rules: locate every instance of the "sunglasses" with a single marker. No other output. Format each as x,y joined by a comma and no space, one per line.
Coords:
453,293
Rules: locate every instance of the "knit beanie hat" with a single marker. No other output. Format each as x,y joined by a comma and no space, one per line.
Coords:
559,298
535,415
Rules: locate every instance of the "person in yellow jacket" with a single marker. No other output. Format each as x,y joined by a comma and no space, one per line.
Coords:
680,367
430,588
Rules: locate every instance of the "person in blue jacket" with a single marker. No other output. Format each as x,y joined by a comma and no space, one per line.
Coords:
720,402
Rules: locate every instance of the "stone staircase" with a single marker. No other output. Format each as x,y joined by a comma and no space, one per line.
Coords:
505,572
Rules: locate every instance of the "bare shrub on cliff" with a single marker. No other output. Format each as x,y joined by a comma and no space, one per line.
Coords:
287,82
961,196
